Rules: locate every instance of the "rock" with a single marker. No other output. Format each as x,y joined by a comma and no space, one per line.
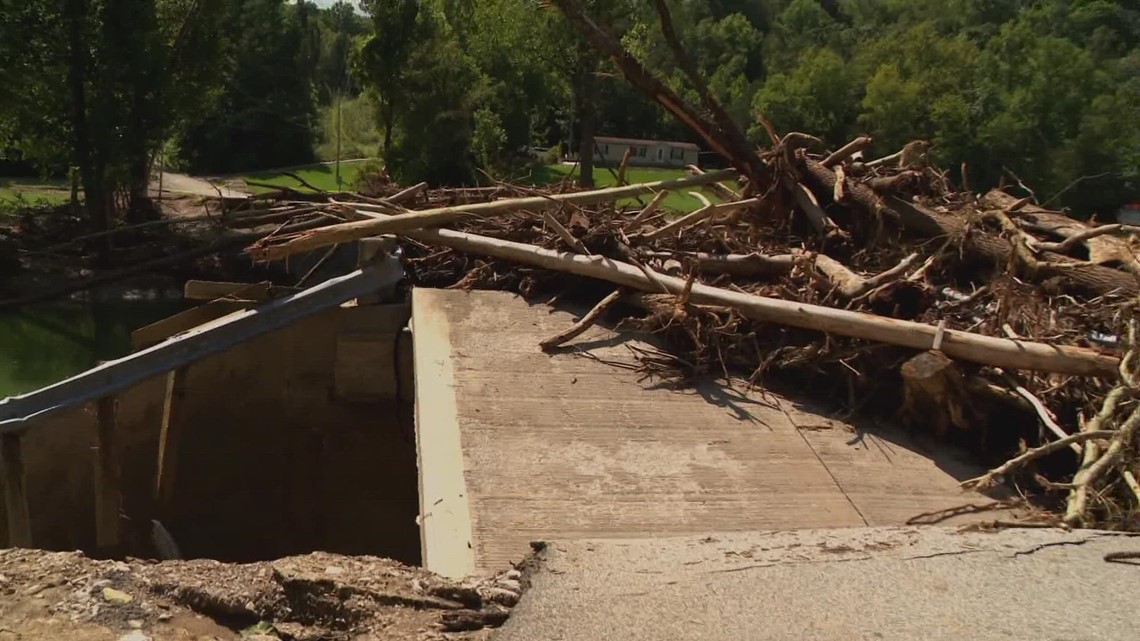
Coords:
502,596
136,635
332,569
36,589
165,616
509,584
116,596
512,574
135,624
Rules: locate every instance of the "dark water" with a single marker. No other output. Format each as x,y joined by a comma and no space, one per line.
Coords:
43,344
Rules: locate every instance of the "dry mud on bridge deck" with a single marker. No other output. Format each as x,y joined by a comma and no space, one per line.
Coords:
516,445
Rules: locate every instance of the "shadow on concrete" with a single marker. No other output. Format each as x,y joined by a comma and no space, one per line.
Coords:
739,399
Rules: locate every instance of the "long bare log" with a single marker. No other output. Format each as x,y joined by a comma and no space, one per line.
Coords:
977,348
432,217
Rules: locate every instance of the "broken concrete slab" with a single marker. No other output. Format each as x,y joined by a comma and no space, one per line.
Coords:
887,584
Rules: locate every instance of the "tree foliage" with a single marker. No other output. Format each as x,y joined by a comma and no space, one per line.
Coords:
1044,90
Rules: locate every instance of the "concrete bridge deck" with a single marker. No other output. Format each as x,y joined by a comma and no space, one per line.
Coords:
516,445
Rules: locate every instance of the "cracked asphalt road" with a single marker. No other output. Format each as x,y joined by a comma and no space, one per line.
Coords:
911,583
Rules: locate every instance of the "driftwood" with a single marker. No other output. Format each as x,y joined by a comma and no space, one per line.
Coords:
722,191
584,323
808,204
844,281
706,212
846,151
924,222
851,285
1101,247
407,194
650,209
748,265
989,477
977,348
432,217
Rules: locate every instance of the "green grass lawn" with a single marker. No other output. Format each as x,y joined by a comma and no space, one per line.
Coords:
680,201
30,192
321,176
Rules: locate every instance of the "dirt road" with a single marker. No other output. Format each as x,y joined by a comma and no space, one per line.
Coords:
183,185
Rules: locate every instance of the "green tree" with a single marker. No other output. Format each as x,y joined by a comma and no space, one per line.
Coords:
262,111
400,27
820,96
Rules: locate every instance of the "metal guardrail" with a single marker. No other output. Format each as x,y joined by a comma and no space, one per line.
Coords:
113,376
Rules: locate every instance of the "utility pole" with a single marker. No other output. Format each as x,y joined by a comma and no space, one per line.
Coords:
339,99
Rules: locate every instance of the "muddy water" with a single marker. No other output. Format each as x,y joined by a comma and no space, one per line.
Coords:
43,344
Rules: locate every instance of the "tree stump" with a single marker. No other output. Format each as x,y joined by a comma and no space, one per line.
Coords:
935,394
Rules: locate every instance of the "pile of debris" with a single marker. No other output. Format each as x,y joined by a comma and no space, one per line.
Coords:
831,270
1019,312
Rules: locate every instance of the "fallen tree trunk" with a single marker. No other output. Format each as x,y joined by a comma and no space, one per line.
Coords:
921,221
1101,249
345,232
977,348
729,143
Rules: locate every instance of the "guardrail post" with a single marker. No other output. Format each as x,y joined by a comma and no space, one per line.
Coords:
15,493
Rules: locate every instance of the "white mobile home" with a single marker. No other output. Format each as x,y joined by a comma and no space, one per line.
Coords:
654,153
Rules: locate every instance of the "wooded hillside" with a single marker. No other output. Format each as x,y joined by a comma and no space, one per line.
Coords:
1046,92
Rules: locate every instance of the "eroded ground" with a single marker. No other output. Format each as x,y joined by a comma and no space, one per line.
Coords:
65,595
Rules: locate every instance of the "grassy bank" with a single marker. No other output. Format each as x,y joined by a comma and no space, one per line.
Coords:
679,200
16,192
321,176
